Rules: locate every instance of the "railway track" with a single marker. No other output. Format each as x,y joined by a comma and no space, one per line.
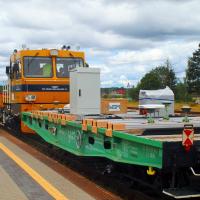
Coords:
101,172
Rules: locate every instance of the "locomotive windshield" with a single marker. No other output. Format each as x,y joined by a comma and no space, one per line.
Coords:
38,67
63,65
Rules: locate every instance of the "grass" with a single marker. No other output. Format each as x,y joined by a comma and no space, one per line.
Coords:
195,107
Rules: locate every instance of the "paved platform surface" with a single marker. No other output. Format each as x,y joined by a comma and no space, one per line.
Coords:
24,177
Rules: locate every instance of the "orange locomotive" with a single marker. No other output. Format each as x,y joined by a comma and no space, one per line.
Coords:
37,80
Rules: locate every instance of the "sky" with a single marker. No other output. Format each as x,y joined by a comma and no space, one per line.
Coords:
124,38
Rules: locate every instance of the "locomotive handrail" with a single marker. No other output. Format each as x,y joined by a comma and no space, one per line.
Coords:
194,173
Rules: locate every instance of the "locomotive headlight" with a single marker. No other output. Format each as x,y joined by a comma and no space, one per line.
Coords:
30,98
54,52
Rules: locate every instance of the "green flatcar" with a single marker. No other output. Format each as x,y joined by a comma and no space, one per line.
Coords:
167,151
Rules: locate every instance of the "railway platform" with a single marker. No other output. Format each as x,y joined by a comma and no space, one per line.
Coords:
23,176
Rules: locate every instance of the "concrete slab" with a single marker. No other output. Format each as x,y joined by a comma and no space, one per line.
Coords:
7,185
55,180
30,188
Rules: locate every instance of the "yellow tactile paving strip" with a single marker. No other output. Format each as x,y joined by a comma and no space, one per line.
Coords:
55,193
56,185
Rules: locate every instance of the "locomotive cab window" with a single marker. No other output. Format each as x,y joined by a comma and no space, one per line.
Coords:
63,65
38,67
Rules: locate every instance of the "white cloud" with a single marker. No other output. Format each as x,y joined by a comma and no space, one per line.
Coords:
130,66
125,81
107,83
123,38
128,57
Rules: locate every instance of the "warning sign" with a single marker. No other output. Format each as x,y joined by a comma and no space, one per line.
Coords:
188,137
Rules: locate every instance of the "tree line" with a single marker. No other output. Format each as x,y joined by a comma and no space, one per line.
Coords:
164,75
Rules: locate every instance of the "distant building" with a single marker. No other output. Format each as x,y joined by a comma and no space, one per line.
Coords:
114,91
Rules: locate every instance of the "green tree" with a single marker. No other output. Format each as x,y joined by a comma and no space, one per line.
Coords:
166,75
133,93
181,92
151,81
193,73
159,77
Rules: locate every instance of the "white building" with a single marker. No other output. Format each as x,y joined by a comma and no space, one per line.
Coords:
161,96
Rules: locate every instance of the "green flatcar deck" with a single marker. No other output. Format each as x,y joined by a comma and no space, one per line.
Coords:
120,146
161,155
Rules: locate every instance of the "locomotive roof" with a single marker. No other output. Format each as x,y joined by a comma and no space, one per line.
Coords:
46,53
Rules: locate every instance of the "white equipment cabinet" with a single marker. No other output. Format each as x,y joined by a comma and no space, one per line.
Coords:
85,91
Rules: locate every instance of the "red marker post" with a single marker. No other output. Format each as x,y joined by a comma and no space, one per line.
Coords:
188,137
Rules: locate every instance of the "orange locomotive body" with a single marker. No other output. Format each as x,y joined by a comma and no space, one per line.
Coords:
1,100
37,80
